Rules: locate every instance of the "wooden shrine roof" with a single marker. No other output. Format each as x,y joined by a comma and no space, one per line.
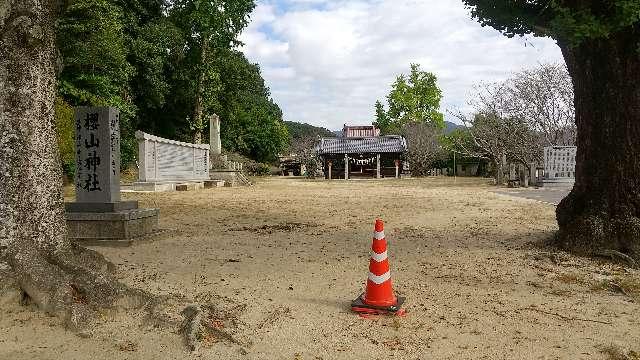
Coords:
362,145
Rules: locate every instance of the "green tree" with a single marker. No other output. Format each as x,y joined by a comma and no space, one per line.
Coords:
65,131
300,131
251,122
167,67
96,72
600,41
208,26
413,99
152,83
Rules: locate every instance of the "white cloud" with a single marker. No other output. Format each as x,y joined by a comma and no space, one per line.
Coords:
327,62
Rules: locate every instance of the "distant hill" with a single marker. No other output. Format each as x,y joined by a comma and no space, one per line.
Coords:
300,131
449,127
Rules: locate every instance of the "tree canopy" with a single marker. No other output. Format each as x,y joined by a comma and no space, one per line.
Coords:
301,130
413,99
570,21
600,42
168,66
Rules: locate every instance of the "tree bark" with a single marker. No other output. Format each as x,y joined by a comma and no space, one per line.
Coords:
602,212
31,204
58,276
36,255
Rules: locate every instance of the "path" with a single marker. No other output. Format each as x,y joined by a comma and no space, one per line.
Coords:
285,257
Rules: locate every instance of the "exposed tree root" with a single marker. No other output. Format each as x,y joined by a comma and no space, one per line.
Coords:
72,284
76,284
592,233
613,254
192,326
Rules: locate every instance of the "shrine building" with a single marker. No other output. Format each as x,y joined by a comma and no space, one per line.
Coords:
362,153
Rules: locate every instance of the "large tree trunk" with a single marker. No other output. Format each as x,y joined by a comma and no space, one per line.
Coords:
35,252
31,194
36,255
603,210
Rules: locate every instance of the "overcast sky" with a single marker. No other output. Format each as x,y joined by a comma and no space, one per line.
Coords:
327,62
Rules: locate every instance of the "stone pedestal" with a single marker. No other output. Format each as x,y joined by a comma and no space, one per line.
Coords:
121,225
83,207
98,214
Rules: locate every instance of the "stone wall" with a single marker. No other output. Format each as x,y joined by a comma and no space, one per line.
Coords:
168,160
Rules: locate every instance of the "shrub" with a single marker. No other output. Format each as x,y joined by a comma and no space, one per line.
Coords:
64,136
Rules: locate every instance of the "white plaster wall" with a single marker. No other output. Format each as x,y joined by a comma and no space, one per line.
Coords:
166,160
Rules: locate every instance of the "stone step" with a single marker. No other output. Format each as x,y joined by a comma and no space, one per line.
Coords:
208,184
190,186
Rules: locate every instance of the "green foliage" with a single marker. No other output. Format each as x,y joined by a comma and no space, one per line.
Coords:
218,20
159,62
299,131
65,133
151,85
96,72
257,168
312,165
568,21
413,99
91,41
208,26
456,139
251,122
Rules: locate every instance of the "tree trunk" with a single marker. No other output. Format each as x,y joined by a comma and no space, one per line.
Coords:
57,275
36,255
602,212
199,108
30,193
497,171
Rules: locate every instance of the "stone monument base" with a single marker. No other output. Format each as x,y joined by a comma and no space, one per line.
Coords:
79,207
97,227
169,186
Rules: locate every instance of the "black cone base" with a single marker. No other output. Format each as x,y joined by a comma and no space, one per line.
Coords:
358,305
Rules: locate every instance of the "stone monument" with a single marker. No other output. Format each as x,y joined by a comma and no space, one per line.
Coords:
98,213
232,175
559,164
163,164
214,135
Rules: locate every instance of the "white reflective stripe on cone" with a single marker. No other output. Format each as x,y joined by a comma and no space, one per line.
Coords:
379,279
378,235
379,257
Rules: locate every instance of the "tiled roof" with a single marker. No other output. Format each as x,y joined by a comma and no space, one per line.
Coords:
357,145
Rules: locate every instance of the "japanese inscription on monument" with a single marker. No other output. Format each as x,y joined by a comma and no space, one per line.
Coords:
97,145
560,162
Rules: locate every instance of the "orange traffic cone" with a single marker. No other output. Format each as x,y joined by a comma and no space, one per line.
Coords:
378,297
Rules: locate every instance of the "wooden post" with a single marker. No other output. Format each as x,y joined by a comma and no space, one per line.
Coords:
378,166
346,166
330,164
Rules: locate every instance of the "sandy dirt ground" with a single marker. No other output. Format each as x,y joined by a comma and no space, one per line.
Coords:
283,259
